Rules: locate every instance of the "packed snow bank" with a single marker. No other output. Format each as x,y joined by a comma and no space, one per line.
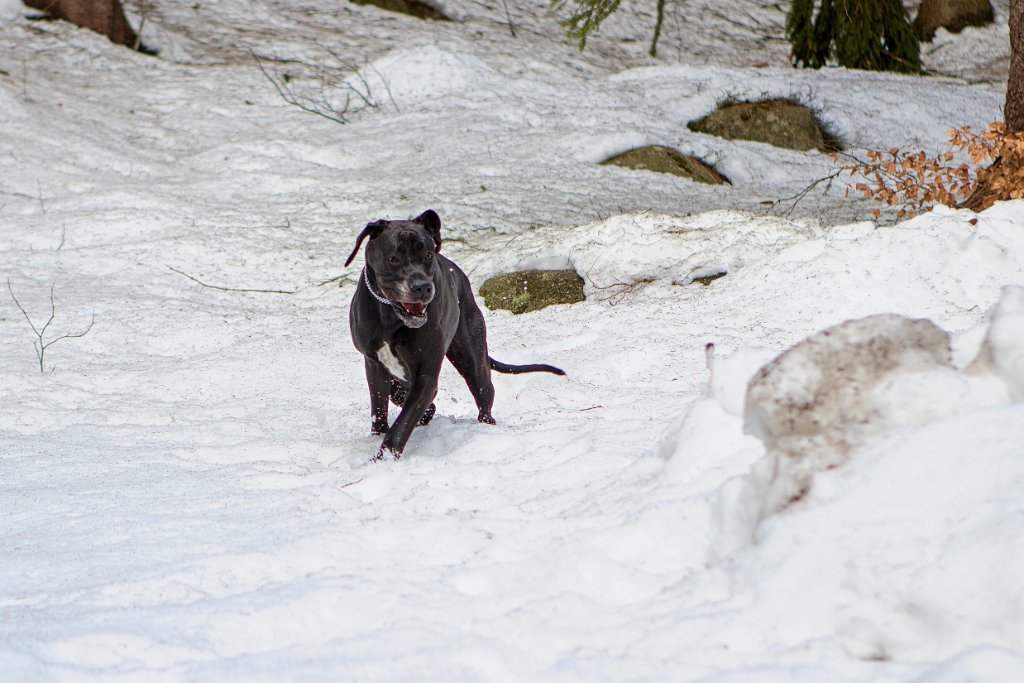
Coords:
817,401
839,389
907,470
225,522
427,76
908,551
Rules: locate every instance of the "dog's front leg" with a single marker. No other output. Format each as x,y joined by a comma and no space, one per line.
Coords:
378,379
421,393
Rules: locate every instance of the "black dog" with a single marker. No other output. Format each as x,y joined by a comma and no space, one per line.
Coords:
412,308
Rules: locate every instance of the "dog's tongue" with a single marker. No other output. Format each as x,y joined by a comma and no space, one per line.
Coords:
415,309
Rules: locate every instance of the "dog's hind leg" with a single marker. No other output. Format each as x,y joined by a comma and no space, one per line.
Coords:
477,373
398,394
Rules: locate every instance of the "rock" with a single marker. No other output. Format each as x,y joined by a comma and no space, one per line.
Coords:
667,160
413,8
532,290
708,279
781,123
102,16
830,393
952,15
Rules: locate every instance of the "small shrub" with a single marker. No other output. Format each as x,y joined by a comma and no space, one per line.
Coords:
915,181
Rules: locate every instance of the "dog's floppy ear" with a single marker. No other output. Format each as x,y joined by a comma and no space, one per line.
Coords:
371,230
432,222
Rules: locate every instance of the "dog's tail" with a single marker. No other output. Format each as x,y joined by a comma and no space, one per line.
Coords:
520,369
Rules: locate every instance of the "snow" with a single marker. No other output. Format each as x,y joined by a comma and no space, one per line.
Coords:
187,491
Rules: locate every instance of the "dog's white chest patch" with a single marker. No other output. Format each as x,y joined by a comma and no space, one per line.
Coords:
391,362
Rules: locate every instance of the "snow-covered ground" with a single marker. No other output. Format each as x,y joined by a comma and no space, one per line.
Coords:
186,491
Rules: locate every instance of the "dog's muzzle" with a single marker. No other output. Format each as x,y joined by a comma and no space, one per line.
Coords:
413,315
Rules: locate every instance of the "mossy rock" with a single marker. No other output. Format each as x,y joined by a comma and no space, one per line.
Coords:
413,8
781,123
532,290
667,160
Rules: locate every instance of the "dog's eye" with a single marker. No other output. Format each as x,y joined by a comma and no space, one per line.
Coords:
428,256
394,260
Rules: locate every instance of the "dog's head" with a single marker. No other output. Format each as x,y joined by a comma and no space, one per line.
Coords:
401,255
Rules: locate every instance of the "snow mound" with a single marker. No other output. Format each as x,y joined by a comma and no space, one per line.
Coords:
906,552
817,401
844,386
428,73
729,374
633,248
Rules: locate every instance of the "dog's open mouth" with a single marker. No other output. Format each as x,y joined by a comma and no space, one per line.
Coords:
416,309
412,315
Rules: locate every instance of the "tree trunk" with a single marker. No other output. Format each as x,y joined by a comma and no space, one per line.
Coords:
1014,109
103,16
1006,171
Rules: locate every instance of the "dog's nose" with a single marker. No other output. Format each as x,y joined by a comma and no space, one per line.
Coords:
423,290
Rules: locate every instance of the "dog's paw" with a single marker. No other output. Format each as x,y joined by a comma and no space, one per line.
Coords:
428,415
387,450
486,419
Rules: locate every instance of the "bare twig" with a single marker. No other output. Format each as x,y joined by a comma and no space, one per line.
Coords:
621,289
508,18
41,344
798,197
341,88
657,28
343,276
143,12
233,289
